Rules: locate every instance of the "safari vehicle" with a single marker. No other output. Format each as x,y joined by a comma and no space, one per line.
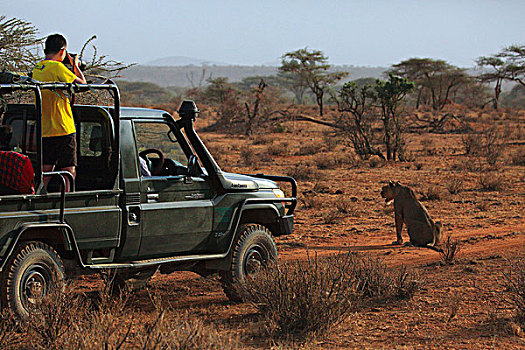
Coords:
186,215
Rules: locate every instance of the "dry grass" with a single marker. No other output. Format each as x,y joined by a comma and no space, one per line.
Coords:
454,186
331,216
432,193
303,171
309,149
515,285
335,160
490,182
450,249
303,299
64,322
518,158
248,157
279,149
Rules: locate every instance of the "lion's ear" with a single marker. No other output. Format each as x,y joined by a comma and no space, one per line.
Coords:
398,183
391,183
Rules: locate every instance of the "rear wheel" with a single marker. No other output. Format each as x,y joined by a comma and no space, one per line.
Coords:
33,270
254,250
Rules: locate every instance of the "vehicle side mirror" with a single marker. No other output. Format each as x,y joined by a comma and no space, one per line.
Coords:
193,166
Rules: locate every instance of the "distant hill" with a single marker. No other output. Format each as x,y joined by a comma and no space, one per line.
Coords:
195,75
182,61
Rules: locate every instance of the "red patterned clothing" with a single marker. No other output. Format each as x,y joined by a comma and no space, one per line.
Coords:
16,172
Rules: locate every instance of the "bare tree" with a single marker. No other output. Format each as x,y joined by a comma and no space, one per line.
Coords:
356,116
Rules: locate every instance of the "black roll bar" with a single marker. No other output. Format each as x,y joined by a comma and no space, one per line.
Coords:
62,175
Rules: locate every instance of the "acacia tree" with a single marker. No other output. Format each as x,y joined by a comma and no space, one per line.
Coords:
508,64
514,57
18,45
495,73
310,67
434,80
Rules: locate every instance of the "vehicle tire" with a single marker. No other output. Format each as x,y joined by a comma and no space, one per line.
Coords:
253,250
33,270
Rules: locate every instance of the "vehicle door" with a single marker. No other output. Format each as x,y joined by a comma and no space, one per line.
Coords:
176,208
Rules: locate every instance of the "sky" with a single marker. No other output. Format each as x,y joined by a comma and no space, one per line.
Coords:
249,32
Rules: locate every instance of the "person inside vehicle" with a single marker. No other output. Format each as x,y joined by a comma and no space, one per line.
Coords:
59,145
16,171
144,169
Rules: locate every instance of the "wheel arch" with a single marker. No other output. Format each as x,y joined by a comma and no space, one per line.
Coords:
58,236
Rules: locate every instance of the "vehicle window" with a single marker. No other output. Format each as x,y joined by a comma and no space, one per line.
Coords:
91,139
18,136
155,136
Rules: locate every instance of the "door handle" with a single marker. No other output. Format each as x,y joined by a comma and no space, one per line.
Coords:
195,196
152,197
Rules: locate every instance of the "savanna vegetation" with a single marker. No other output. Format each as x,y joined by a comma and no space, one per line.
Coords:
454,137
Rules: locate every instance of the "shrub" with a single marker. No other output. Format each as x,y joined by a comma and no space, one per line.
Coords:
278,149
450,249
472,144
10,337
331,216
515,285
309,149
311,201
300,299
348,206
428,147
518,158
455,186
248,157
61,322
376,162
490,182
335,160
308,298
302,171
432,193
262,140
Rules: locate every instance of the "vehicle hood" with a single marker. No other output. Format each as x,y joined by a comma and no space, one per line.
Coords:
244,182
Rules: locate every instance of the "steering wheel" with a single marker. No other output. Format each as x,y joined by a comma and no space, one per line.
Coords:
155,170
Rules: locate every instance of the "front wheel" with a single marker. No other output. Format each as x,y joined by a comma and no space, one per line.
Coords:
33,270
254,250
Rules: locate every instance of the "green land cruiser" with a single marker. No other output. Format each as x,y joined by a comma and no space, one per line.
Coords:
186,214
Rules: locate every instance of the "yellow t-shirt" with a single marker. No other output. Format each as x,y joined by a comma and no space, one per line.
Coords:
57,118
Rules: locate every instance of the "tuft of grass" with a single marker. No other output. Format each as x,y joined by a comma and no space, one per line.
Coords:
450,249
432,193
278,149
248,157
455,186
490,182
309,149
303,171
515,286
332,216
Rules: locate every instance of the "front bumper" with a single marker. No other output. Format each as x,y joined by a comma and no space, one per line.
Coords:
286,224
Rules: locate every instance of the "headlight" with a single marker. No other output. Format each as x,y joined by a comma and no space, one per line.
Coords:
278,193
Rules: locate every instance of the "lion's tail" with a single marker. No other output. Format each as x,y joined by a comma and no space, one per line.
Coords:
438,235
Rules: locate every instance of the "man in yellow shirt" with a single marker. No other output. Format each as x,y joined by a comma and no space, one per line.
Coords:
59,145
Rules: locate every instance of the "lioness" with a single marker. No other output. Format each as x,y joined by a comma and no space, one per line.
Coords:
422,230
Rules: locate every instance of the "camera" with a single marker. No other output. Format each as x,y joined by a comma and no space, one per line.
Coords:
69,63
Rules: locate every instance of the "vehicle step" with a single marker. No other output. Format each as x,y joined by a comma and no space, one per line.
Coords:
158,261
